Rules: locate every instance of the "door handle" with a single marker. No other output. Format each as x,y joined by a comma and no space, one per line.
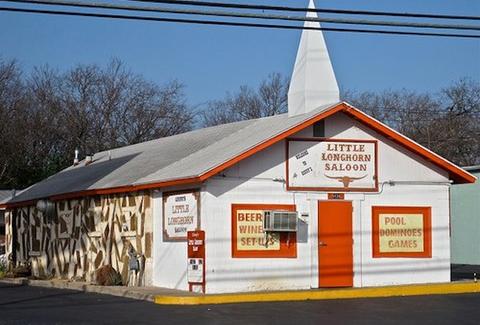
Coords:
322,244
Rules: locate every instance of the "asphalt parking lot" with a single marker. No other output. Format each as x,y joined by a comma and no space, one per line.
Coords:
35,305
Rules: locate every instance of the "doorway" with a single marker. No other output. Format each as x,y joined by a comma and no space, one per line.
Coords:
335,244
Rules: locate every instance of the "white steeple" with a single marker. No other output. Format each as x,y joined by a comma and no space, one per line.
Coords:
313,81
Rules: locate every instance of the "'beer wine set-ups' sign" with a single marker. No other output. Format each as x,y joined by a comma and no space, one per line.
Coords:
348,165
250,234
181,213
250,240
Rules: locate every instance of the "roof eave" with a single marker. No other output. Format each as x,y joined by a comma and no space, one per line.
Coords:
457,174
107,191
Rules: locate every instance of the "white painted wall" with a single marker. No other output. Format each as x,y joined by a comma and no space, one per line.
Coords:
169,258
389,271
252,181
225,273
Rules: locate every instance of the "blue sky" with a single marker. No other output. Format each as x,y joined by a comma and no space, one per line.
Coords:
212,60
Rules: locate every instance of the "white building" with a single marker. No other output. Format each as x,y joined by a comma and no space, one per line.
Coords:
372,205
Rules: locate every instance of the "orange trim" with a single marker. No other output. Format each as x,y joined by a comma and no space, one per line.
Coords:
457,174
123,189
106,191
17,204
326,189
288,246
207,175
427,230
273,140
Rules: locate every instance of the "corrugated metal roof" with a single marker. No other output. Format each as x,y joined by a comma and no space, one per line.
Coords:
474,168
5,195
176,157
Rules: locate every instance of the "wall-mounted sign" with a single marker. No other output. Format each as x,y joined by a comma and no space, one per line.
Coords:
248,237
332,165
250,234
401,232
181,213
336,196
65,223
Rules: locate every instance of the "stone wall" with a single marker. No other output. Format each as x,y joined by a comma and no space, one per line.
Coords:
8,232
84,235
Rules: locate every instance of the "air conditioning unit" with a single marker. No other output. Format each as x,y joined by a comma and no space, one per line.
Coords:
280,221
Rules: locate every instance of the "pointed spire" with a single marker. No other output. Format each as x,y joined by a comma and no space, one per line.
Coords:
313,81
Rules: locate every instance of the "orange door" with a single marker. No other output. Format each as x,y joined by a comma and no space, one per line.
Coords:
335,244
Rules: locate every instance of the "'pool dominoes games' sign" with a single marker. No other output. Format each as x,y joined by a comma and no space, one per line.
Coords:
400,231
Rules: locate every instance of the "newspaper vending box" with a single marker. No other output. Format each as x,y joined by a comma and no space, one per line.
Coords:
196,260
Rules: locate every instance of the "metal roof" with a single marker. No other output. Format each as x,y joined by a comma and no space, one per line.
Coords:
195,156
474,168
5,195
176,157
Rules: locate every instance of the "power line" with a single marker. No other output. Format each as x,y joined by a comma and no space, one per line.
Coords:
229,23
318,10
245,15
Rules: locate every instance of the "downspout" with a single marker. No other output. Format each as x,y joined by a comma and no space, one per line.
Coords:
13,221
110,234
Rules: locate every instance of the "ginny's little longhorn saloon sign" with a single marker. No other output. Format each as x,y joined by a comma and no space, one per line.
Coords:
180,214
348,165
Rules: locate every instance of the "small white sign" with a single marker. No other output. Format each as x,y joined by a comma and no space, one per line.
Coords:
180,214
332,164
195,270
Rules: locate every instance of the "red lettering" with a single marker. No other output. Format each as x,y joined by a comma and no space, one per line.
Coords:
395,221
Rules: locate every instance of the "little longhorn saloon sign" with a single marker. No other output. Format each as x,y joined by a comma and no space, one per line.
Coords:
181,213
332,164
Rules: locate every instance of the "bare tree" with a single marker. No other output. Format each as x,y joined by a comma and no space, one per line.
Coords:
447,123
395,108
88,107
14,123
269,99
47,114
458,128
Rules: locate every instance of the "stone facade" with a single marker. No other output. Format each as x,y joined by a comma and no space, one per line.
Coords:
84,235
8,232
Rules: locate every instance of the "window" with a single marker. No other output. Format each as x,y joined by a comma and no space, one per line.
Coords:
401,232
249,239
319,129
